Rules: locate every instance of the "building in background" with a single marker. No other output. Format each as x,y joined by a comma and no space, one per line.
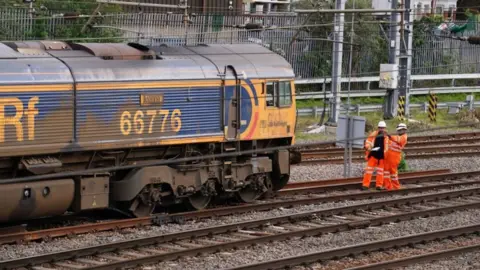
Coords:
463,5
446,8
221,7
218,7
266,6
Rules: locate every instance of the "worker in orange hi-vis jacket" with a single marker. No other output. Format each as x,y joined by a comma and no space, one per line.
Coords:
376,147
394,156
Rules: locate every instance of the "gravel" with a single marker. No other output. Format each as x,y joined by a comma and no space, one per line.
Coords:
86,240
467,261
400,253
331,137
299,173
312,172
282,249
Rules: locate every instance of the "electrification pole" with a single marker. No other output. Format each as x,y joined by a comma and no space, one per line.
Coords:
391,98
405,66
337,62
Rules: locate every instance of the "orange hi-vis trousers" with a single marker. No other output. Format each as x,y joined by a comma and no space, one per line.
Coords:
391,180
372,164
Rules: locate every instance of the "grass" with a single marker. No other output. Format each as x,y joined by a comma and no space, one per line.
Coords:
303,123
309,103
443,120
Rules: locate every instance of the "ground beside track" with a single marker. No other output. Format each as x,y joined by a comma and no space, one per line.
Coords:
86,240
467,261
418,130
316,172
282,249
310,172
405,252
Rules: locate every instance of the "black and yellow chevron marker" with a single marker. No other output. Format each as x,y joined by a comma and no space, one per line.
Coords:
432,107
401,108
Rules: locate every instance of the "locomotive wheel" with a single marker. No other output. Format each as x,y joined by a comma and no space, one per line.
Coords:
198,201
281,182
141,209
249,194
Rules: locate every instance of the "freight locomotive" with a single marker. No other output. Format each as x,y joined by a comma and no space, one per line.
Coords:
87,126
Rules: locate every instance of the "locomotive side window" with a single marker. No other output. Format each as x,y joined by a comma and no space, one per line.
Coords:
271,94
285,94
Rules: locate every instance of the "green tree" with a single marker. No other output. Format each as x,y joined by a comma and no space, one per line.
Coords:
370,47
403,166
56,19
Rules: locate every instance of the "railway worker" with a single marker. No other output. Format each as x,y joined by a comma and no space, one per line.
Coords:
394,156
376,147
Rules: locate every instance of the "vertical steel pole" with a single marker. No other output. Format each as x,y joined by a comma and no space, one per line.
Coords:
350,62
350,146
391,99
405,67
337,61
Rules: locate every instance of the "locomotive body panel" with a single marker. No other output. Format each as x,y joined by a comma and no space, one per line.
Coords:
36,103
147,115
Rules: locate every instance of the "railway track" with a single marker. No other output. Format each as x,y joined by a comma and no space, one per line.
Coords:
19,235
327,153
427,140
418,148
390,244
149,250
336,157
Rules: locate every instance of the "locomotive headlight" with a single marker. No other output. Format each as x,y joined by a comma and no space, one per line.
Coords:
46,191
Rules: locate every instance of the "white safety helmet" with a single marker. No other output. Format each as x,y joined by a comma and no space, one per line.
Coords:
382,124
401,126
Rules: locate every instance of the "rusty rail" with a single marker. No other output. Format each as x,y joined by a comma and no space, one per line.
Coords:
362,248
409,145
411,156
418,258
407,150
180,217
426,140
429,149
317,183
150,255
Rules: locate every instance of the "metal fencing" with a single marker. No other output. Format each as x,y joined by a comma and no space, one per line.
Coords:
309,55
363,108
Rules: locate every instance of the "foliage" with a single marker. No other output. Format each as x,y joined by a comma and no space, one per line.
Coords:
65,19
403,166
422,27
443,59
469,117
370,47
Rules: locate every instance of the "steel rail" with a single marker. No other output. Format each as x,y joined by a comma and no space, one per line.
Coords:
355,185
444,136
318,200
418,258
317,183
412,156
362,248
409,145
175,237
426,149
425,139
180,217
26,236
